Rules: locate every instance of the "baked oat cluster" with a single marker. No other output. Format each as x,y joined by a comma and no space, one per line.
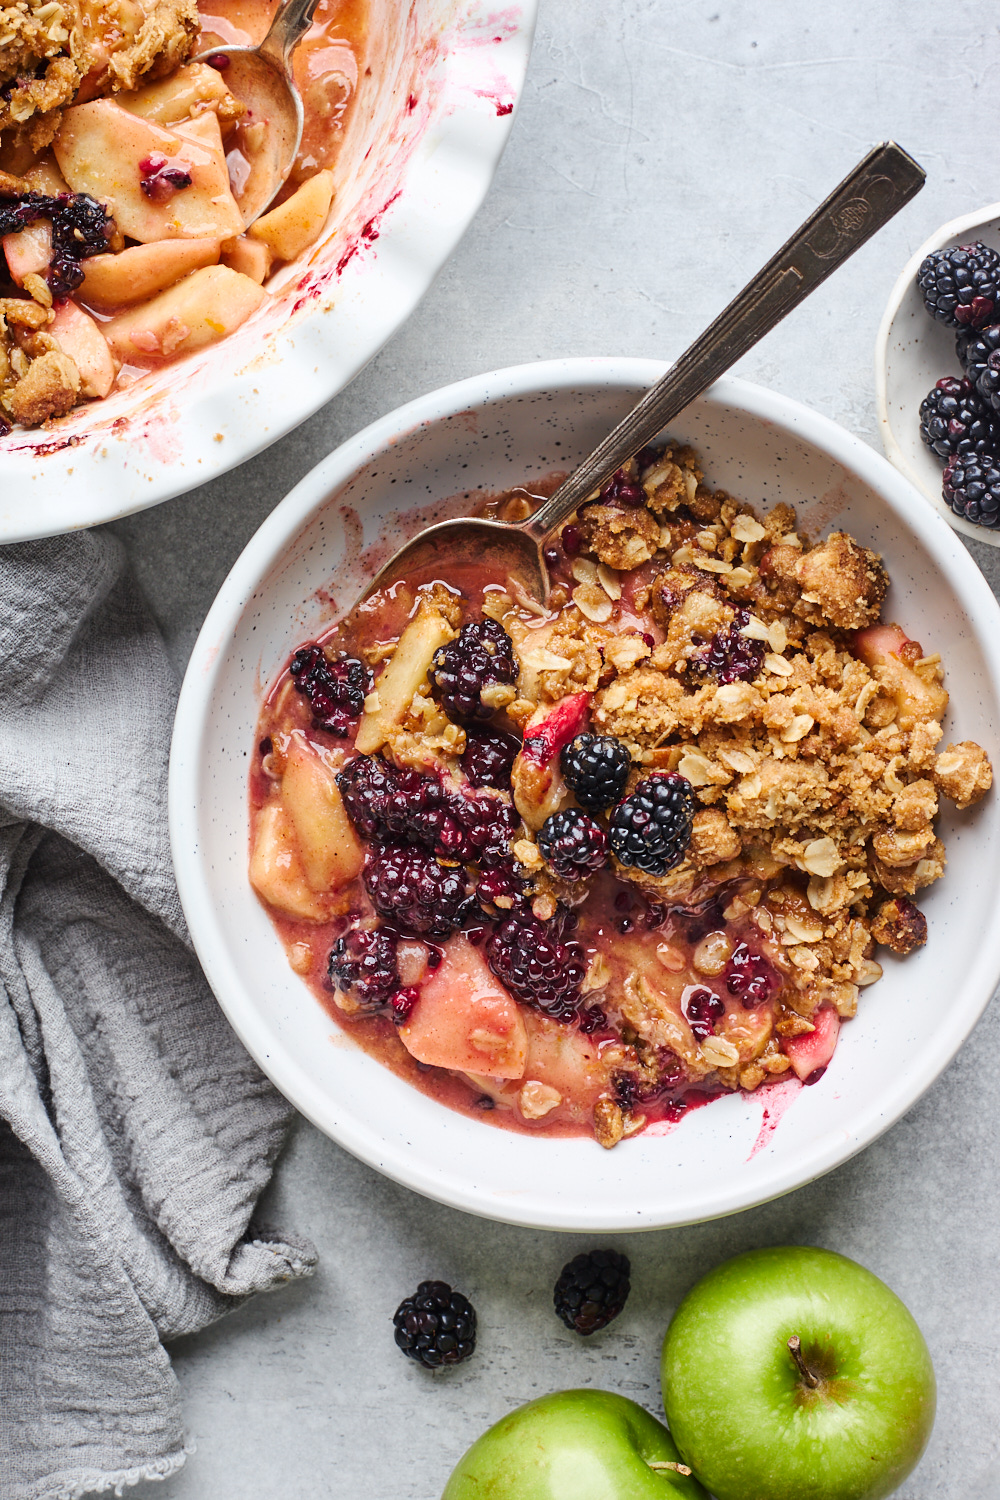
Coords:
717,801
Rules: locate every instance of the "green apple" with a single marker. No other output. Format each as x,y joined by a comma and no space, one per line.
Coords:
573,1445
793,1372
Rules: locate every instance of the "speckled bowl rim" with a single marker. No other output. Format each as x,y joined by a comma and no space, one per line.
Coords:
337,305
435,1180
954,229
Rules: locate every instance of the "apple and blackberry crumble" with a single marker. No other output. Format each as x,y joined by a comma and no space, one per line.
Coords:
121,162
586,866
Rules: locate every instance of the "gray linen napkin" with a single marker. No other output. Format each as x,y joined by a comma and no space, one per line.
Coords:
135,1132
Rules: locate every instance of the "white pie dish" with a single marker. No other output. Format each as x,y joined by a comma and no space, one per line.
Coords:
309,559
419,154
912,351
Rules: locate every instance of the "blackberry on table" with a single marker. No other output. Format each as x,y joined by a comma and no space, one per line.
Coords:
953,413
482,657
436,1326
572,844
412,890
363,966
651,830
592,1290
971,486
336,690
596,769
730,656
536,964
961,285
488,758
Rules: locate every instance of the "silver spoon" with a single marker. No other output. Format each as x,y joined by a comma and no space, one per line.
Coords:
261,78
866,199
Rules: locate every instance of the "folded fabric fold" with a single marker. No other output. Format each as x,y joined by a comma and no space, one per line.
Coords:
136,1135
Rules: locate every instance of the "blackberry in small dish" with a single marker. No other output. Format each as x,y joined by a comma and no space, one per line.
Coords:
961,285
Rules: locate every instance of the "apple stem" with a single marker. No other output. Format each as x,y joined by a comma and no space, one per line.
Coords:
795,1350
661,1466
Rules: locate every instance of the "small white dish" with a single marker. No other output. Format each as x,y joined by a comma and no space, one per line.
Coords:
912,351
424,139
308,562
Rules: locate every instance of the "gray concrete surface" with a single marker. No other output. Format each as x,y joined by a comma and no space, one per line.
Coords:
661,152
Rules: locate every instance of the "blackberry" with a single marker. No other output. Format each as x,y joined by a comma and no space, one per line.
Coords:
977,350
81,227
623,489
954,413
960,285
499,891
988,384
363,966
703,1009
596,769
650,831
488,758
336,689
469,827
436,1326
532,960
482,657
750,977
971,486
730,656
572,844
412,890
592,1290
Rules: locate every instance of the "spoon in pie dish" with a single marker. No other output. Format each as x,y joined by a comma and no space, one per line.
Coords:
867,198
261,78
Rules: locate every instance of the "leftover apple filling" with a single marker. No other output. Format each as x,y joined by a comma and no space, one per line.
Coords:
586,866
120,165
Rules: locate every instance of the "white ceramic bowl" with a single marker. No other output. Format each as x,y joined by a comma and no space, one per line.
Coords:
307,562
912,351
424,138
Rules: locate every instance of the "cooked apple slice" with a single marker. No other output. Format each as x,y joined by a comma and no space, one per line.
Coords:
276,871
200,310
140,271
250,257
563,1059
45,177
814,1049
194,89
401,676
918,698
298,222
465,1019
81,338
28,251
328,846
104,150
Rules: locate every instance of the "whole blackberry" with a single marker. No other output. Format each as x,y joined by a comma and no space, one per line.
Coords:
960,285
532,960
592,1290
455,824
572,844
499,891
596,769
974,351
703,1009
363,966
971,486
482,657
335,689
651,830
730,656
436,1326
750,977
488,758
988,384
954,413
412,890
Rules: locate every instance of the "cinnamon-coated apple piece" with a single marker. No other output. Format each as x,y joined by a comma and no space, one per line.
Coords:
890,654
276,871
328,846
205,307
401,676
298,222
109,153
79,336
194,89
28,251
140,271
464,1019
250,257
